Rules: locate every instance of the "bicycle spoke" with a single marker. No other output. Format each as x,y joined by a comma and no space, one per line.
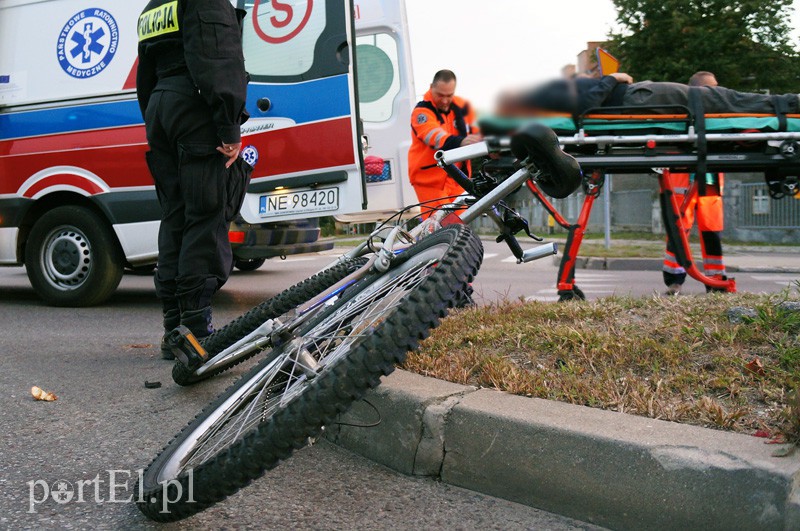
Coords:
299,388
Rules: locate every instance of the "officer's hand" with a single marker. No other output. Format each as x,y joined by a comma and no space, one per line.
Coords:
231,151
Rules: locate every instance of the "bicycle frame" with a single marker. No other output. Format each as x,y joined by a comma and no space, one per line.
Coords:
467,207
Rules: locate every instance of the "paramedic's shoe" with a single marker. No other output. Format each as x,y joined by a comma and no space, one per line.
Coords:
709,289
673,289
186,348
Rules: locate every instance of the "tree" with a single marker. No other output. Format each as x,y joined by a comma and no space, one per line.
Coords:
744,42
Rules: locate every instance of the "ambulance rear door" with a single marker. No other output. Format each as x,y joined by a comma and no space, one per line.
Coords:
302,137
386,97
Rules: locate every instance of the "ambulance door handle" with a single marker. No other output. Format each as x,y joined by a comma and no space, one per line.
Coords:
264,104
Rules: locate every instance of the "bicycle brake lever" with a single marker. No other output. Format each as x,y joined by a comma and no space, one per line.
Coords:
532,235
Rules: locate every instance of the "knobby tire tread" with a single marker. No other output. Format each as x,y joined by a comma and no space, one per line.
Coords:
330,394
273,307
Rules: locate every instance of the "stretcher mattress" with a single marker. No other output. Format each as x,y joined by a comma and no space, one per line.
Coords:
637,143
564,124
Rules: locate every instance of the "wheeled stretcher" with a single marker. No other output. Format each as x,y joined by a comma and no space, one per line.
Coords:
636,141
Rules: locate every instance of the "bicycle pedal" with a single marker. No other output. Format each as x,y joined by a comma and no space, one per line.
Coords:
186,348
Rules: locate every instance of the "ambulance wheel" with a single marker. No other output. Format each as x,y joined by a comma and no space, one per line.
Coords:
249,264
72,257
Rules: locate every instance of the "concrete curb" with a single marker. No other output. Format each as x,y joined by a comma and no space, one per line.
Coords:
610,469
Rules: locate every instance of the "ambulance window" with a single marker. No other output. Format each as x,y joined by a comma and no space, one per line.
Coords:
281,39
378,79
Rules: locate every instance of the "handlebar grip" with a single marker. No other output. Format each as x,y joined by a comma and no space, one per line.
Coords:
546,249
472,151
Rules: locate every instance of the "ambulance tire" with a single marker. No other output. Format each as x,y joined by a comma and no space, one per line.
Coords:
72,257
250,264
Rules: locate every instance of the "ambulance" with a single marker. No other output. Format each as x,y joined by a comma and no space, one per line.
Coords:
331,87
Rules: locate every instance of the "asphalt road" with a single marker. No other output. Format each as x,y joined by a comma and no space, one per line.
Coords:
97,359
73,463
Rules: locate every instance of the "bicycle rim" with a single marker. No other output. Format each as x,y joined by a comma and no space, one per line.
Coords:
304,384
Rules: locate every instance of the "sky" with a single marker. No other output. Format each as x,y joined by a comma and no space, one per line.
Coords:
493,45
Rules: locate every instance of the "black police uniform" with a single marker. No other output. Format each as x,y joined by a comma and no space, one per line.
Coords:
191,85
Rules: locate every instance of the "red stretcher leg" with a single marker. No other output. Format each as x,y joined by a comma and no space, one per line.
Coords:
673,222
567,289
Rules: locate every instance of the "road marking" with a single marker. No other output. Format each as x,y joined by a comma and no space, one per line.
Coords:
549,291
309,259
541,298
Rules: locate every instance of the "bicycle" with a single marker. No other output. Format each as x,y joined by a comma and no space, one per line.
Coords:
330,338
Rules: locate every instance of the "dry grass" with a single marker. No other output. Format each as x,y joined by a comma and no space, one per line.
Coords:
678,358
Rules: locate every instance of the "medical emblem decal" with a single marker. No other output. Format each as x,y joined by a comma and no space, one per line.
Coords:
250,155
87,43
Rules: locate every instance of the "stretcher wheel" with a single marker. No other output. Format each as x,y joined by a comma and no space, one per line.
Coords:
571,294
560,173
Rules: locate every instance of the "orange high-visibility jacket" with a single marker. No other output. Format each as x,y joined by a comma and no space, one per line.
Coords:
432,130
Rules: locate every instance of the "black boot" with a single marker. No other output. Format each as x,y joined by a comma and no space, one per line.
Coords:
172,318
198,321
183,341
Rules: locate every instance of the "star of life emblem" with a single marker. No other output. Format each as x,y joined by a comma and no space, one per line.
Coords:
87,43
250,155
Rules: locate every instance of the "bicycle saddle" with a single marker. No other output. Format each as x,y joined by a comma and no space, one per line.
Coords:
561,174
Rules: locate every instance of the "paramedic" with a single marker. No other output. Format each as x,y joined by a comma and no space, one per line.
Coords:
191,85
441,120
580,94
707,208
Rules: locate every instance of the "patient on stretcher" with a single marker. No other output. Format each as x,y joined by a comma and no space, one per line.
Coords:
577,95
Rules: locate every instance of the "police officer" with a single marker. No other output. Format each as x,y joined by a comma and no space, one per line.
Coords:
191,85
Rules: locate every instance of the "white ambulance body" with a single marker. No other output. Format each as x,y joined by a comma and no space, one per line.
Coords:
77,203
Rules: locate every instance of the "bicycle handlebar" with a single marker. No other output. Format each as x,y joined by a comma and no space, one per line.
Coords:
472,151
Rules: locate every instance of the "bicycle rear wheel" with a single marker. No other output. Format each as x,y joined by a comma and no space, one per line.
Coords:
273,308
305,383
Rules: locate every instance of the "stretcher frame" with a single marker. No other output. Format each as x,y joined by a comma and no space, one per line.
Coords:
652,146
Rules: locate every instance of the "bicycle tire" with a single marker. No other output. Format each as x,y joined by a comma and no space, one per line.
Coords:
272,308
367,338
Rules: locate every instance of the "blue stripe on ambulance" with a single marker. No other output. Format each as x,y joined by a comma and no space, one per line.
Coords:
310,101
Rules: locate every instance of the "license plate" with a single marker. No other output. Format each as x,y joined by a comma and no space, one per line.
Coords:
282,202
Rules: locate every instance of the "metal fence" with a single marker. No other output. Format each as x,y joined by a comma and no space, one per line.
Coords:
755,209
750,213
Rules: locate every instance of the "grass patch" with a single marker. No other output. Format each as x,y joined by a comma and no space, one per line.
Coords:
680,359
628,249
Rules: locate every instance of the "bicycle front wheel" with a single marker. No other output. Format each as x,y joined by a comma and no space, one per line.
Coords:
305,383
279,306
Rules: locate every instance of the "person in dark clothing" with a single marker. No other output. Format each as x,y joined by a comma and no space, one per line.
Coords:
579,94
191,85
